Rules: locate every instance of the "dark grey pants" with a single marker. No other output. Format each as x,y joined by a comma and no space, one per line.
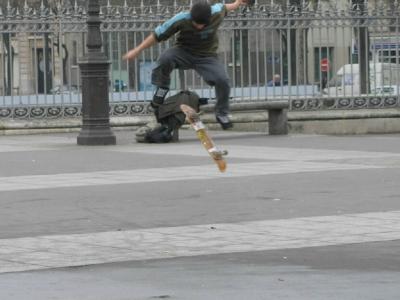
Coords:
209,68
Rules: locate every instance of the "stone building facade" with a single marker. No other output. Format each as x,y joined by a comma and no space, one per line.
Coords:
34,68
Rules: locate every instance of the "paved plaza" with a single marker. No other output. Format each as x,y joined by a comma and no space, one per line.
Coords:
293,217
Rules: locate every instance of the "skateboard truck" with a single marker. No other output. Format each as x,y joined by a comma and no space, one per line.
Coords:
218,154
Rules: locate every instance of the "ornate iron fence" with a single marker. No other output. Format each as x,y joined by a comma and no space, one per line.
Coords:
327,55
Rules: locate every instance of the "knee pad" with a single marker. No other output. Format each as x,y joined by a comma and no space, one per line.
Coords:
159,96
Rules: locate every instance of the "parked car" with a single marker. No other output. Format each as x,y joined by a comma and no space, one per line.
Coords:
58,90
383,79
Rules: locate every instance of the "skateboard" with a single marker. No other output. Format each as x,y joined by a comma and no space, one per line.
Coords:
193,118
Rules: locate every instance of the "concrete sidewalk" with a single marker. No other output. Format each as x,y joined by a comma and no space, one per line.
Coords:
294,217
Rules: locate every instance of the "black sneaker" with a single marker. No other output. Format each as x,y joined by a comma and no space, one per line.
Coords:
224,121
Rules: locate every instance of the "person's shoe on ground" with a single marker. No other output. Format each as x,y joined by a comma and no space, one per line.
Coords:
224,121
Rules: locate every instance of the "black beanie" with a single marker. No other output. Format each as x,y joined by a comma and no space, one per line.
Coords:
201,12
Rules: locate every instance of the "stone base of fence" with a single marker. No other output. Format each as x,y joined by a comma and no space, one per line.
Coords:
365,121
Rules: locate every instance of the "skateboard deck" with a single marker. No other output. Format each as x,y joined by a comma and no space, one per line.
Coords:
193,118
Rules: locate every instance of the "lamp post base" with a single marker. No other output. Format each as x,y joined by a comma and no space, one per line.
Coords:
95,104
95,137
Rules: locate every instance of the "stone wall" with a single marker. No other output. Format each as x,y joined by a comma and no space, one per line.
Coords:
25,63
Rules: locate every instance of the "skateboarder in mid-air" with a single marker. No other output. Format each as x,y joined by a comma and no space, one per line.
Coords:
195,48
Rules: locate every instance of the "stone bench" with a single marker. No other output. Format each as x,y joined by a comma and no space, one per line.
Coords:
277,114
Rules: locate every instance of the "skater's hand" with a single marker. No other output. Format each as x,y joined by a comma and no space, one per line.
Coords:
237,4
132,54
147,43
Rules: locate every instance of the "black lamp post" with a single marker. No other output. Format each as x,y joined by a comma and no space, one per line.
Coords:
360,12
94,68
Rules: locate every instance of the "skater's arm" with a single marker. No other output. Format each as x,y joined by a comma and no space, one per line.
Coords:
167,29
147,43
235,5
161,33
